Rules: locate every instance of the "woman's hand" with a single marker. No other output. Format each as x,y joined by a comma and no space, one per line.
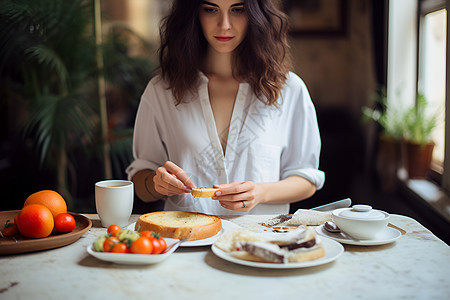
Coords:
239,196
243,196
170,180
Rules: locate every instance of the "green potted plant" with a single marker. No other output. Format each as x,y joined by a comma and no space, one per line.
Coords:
390,132
387,116
404,138
418,145
49,77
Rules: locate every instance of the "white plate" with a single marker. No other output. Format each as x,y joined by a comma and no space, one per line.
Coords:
133,259
226,225
332,251
388,235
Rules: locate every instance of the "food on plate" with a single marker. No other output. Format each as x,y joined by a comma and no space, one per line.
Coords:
65,222
35,221
298,245
128,235
114,229
38,217
129,241
141,246
159,244
203,192
120,248
50,199
10,229
98,244
41,213
109,243
309,217
180,224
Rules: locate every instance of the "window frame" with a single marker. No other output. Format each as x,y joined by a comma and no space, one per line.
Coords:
425,7
446,175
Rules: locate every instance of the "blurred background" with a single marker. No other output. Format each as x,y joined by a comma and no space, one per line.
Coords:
72,73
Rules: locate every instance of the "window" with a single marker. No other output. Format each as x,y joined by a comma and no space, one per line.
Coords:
431,71
418,62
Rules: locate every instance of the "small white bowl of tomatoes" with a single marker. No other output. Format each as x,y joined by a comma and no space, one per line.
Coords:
126,246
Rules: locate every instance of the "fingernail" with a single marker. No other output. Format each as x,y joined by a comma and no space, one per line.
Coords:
218,193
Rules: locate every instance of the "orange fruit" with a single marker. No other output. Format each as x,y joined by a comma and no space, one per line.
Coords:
16,219
50,199
35,221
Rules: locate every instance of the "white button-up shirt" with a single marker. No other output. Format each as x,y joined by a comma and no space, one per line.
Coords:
265,143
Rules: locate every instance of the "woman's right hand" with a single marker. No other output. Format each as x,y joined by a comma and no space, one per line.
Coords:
170,180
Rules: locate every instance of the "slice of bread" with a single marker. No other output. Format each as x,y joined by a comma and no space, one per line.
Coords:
203,192
180,224
295,256
296,246
308,254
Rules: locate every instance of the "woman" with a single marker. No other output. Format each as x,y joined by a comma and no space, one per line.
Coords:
226,112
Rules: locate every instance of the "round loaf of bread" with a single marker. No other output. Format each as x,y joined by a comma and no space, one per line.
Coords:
203,192
180,224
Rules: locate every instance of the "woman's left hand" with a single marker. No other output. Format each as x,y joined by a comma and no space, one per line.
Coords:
239,196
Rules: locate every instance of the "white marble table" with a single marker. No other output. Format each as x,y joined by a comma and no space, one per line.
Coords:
417,266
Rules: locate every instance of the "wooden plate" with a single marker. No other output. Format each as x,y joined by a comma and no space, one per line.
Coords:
21,244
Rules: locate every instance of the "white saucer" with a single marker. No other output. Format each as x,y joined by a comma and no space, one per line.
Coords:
388,235
226,225
332,251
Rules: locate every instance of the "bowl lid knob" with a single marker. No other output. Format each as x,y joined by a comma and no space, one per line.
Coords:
362,212
361,207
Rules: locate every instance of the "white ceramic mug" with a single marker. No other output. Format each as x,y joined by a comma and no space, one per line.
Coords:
114,201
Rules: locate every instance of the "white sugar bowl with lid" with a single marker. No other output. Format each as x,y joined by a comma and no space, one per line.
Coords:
360,221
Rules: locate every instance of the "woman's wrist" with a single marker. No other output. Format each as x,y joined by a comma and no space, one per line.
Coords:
262,191
288,190
150,174
149,186
144,186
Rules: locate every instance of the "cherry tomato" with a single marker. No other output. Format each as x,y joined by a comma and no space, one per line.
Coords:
159,244
10,229
163,244
147,233
141,246
114,229
119,248
65,222
109,243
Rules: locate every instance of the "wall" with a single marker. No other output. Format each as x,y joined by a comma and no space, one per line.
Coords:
339,71
340,75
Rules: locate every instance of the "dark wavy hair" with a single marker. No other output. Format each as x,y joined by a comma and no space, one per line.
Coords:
262,59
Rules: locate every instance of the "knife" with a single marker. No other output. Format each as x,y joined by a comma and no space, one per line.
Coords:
327,207
334,205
